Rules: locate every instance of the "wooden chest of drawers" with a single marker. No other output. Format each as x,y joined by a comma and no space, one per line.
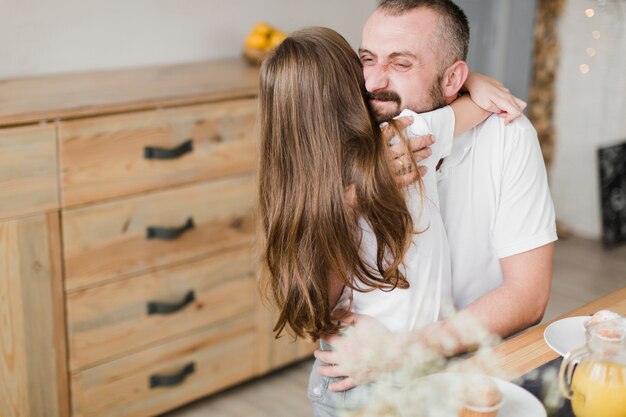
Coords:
128,277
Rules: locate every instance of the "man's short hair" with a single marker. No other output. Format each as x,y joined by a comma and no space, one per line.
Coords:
453,32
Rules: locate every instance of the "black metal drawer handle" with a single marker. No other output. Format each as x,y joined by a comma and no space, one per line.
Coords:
157,307
167,233
154,152
172,380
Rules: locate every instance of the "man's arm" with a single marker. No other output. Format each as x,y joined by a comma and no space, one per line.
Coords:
522,238
523,296
517,304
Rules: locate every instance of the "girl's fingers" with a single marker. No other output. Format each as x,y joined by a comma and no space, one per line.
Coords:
397,150
404,180
401,123
419,142
402,163
404,122
419,156
326,356
408,178
331,371
343,385
387,131
520,103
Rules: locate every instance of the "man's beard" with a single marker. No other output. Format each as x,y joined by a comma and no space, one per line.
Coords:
434,100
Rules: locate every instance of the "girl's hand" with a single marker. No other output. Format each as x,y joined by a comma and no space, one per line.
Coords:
491,95
400,162
362,354
347,352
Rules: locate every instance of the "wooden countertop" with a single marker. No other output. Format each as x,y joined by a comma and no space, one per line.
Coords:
528,351
33,99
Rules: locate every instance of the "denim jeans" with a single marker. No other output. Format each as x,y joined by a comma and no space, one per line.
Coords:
327,403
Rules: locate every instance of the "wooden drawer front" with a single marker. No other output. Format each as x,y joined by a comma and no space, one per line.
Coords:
110,240
275,353
222,355
114,319
28,171
103,158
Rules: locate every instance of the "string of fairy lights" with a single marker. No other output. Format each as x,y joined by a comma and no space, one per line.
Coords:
596,35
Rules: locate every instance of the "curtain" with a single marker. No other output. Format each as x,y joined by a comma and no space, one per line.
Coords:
545,64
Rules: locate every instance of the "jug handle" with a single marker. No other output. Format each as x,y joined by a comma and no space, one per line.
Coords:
567,370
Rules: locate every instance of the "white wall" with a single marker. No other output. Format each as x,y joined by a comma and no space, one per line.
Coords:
590,110
58,36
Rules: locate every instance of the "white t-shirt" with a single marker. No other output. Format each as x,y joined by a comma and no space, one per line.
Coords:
426,264
495,203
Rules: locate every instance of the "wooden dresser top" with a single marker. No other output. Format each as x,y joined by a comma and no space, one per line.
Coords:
68,96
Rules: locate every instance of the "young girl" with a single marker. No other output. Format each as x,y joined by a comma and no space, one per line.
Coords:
336,229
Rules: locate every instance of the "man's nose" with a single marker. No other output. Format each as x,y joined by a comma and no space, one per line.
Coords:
375,78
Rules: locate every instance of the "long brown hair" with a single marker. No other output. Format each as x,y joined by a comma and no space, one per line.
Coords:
318,137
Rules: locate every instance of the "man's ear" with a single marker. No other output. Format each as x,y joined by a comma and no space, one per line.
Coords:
453,79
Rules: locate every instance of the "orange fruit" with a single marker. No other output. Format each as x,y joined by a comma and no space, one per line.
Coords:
275,39
256,41
262,29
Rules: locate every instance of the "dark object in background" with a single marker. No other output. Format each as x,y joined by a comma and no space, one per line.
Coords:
612,164
535,383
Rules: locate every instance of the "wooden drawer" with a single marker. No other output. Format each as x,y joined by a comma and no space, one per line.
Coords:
105,157
121,317
110,240
28,171
275,353
221,356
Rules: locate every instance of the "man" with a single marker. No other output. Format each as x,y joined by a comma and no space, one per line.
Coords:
493,188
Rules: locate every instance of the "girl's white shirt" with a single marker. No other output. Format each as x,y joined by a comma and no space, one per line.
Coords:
426,264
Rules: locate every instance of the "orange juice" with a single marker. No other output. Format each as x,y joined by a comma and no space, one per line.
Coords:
599,390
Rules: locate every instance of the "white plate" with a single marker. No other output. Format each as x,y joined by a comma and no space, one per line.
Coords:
566,335
516,401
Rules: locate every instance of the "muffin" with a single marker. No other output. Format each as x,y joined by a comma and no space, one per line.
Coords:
605,325
600,317
481,397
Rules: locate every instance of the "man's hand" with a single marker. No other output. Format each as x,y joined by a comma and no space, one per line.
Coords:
400,162
351,346
491,95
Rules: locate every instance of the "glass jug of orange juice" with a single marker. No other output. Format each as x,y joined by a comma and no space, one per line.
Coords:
593,377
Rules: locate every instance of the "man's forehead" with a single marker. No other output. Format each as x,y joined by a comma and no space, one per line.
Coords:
384,34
